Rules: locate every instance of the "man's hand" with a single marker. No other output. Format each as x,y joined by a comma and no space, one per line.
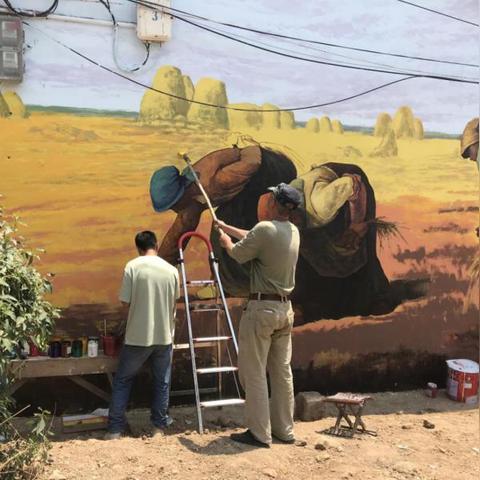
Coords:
220,224
225,241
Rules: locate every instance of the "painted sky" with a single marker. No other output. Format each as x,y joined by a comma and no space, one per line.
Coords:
55,76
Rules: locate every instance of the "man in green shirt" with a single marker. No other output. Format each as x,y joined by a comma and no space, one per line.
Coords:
265,342
150,288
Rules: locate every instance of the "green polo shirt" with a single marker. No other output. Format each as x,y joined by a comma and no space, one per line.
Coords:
151,287
272,248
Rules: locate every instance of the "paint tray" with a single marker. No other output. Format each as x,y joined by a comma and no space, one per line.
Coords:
97,420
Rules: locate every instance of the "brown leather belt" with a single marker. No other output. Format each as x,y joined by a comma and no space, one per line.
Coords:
268,296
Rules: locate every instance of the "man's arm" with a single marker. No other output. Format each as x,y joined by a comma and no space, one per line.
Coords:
187,220
235,232
125,298
246,249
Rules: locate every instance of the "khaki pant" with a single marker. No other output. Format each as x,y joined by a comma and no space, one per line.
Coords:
265,345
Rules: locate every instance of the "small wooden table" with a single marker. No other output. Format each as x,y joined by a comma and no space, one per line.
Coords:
348,403
71,368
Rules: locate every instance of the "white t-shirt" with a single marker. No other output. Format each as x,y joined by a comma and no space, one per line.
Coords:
151,287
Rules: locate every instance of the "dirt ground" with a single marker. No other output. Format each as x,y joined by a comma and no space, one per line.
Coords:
403,449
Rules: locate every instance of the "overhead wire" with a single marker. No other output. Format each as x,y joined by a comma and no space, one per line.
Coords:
438,12
305,59
359,62
32,13
116,28
207,104
305,40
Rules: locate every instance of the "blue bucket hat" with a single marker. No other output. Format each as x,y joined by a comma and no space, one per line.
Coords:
167,186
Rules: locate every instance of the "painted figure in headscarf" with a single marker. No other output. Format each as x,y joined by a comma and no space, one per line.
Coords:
233,178
469,141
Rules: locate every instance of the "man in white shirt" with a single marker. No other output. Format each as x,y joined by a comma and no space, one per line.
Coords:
150,288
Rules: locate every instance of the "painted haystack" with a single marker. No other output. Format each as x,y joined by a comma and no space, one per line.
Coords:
271,120
4,110
155,106
245,120
418,132
325,125
313,125
287,120
212,91
189,88
15,105
387,146
403,123
383,124
337,127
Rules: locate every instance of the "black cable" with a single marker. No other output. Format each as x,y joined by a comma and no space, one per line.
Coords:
32,13
310,60
439,13
106,4
305,40
206,104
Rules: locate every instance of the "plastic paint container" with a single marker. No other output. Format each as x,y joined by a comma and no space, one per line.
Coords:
66,348
462,380
34,351
55,349
84,346
110,345
93,347
77,348
432,390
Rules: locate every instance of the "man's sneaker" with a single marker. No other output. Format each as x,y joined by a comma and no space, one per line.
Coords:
247,438
290,441
160,431
112,436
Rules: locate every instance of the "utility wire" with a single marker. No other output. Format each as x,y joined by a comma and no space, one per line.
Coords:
206,104
353,61
439,13
159,7
32,13
116,28
310,60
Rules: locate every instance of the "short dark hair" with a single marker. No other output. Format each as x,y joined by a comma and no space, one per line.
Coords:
145,240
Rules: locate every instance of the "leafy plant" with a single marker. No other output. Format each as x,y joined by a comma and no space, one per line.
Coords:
25,316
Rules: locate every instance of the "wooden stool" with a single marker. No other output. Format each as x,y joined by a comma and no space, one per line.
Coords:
348,403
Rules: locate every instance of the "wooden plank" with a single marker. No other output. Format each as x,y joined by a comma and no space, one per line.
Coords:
90,387
16,385
38,367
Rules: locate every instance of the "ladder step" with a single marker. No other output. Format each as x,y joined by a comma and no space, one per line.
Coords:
216,369
211,339
222,403
206,307
200,282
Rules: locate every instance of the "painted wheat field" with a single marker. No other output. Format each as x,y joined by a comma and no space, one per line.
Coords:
80,183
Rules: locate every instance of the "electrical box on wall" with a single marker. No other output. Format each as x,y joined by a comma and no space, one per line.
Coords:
11,48
154,25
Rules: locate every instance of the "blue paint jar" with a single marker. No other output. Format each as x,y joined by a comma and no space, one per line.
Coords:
55,349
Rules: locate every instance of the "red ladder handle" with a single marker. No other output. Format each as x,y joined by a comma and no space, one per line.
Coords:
202,237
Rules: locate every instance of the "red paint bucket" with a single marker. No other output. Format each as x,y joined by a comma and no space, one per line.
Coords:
111,345
462,380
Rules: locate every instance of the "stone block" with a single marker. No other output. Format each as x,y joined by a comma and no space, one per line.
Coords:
309,406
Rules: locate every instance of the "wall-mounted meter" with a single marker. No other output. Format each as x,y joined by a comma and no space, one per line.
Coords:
154,25
11,48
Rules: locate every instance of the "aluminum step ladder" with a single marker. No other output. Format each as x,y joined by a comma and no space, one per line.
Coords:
219,307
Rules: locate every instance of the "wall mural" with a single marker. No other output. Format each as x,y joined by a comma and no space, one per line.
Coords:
386,282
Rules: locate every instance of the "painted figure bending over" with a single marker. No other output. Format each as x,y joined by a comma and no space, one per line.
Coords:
265,344
240,174
469,141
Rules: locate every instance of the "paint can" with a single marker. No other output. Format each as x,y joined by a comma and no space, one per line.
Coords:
55,349
432,390
462,380
84,346
110,345
93,347
66,348
34,351
77,348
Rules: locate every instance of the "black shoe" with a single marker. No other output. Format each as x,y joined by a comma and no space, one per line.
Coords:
248,439
290,442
